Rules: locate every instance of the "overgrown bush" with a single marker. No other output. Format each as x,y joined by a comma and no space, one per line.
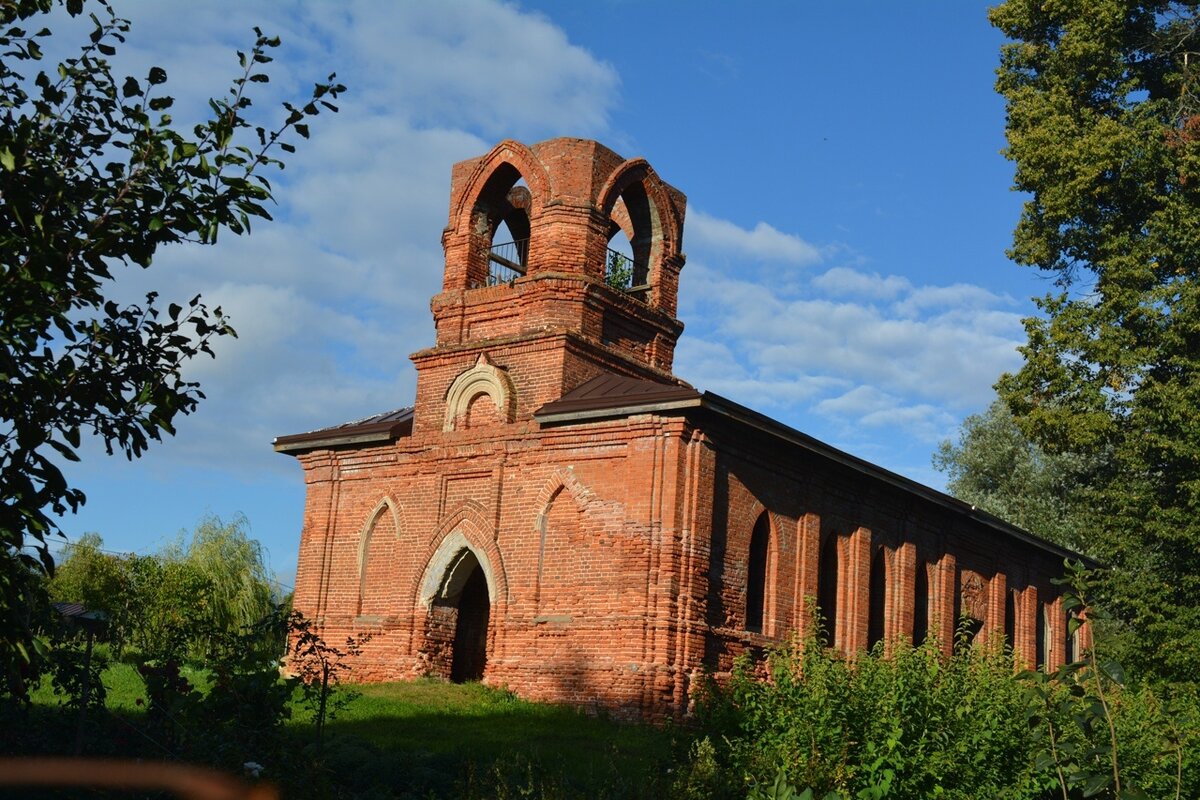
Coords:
319,667
913,725
918,724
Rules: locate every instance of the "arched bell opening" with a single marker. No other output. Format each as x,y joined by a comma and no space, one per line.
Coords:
500,228
643,231
631,236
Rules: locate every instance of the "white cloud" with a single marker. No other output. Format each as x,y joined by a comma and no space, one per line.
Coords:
958,297
843,282
762,242
476,64
331,297
869,407
861,351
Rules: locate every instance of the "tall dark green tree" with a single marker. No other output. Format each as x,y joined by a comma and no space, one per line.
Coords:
1104,131
94,177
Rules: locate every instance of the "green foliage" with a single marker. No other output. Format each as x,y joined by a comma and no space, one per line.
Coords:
703,776
1104,133
995,467
75,675
618,271
94,177
1097,736
320,667
178,603
915,725
88,575
170,602
236,585
918,725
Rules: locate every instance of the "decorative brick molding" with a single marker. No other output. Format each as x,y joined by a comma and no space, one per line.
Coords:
444,577
481,379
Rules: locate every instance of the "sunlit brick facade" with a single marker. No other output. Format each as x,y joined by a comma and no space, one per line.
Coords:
559,514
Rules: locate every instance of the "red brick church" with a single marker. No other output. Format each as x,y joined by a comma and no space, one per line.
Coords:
560,514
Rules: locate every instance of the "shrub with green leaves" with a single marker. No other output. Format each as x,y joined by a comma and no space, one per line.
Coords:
918,724
913,725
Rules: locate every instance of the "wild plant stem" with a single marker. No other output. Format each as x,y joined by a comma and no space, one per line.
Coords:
1062,779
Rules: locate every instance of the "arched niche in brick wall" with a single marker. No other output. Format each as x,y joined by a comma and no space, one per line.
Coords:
921,602
376,552
828,578
877,590
758,575
564,554
1010,617
466,389
1044,635
971,609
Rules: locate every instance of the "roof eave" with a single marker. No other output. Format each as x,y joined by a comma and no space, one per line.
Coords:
735,411
618,411
325,439
740,414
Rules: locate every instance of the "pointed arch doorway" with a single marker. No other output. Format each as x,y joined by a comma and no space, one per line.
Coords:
469,651
459,593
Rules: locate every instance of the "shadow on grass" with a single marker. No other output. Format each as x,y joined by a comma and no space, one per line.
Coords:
421,739
428,738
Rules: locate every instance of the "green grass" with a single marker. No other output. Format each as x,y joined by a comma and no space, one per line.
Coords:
427,739
433,724
122,685
445,740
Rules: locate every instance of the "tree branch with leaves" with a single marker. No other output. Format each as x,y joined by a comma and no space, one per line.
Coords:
94,176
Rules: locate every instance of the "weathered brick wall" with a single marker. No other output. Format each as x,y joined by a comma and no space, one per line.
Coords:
971,569
576,523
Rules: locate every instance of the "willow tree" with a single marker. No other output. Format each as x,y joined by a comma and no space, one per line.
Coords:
1104,130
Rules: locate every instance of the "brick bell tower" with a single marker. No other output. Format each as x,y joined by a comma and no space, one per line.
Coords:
583,282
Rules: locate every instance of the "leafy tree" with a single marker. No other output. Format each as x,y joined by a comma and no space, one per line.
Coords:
173,608
94,177
89,576
996,467
180,601
229,565
1104,132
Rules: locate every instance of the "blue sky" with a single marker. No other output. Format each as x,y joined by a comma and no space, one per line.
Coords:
848,213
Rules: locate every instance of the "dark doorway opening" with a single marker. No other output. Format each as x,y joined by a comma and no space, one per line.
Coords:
470,631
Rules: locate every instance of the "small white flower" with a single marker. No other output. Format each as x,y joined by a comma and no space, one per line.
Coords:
253,768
